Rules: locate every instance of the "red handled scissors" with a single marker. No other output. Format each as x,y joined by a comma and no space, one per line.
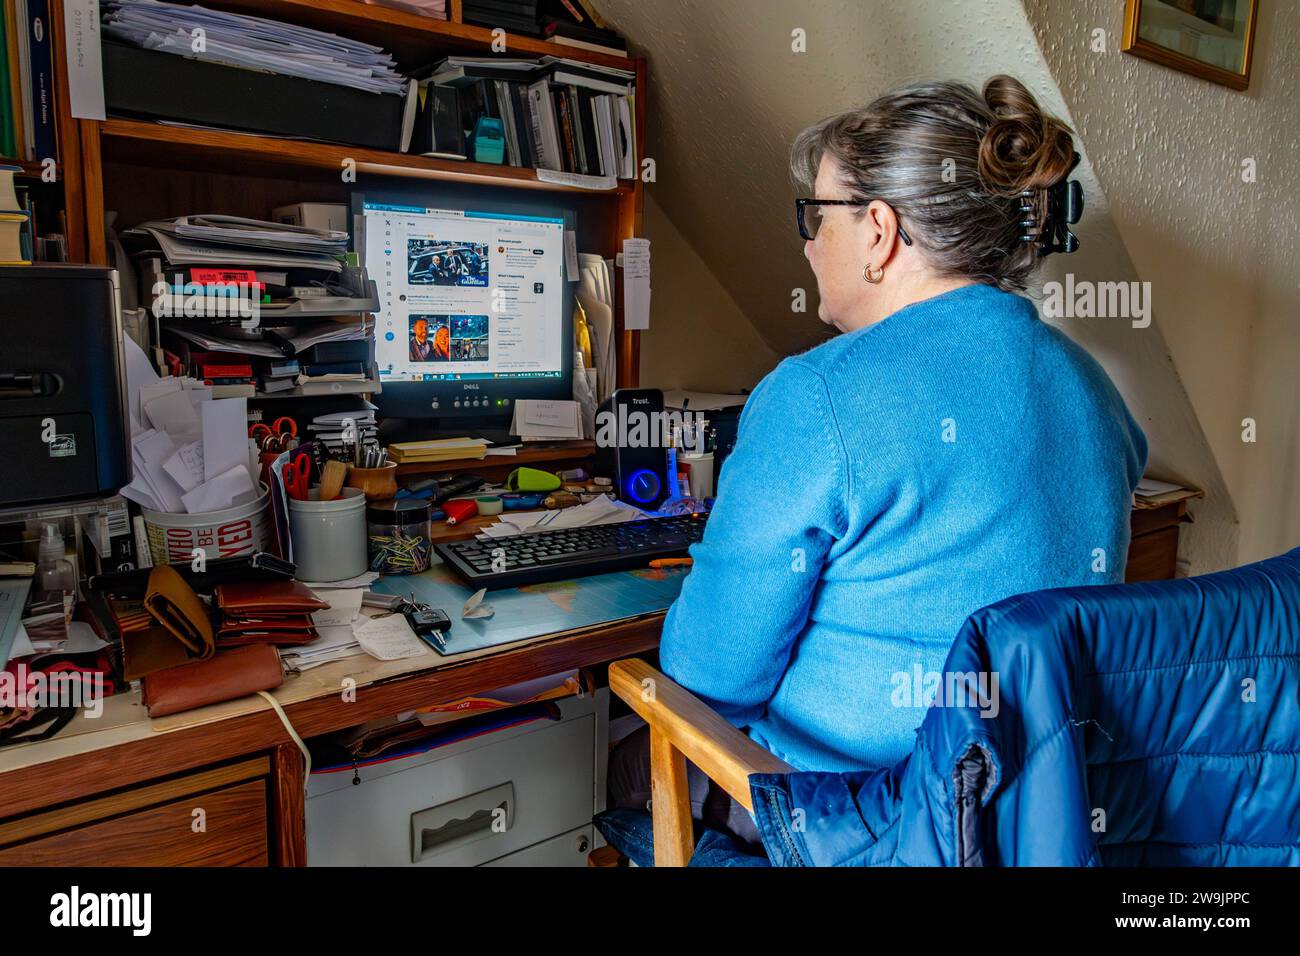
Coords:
295,474
280,435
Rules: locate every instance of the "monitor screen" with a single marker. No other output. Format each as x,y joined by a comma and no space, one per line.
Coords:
466,295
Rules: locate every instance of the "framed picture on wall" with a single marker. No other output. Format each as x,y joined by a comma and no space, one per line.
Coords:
1211,39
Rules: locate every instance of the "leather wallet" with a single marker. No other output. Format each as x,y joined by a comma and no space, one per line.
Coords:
283,629
236,623
173,604
234,673
261,597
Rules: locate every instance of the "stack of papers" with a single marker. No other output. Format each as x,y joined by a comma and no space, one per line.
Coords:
253,43
386,638
602,510
229,241
537,420
190,452
442,449
596,295
341,329
329,429
335,643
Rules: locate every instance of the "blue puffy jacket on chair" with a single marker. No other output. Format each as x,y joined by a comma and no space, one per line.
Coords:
1132,724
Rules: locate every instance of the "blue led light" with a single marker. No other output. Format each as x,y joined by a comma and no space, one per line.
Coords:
643,485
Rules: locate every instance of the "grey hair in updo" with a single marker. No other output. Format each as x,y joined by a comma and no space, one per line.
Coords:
950,161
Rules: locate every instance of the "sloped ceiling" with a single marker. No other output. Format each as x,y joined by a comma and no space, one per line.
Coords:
728,93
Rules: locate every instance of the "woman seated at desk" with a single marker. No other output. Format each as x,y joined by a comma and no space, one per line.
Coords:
948,449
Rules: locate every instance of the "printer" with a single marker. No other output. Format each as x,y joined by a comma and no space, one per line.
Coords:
64,432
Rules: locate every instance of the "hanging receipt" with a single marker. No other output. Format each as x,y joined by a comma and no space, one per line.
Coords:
636,283
571,255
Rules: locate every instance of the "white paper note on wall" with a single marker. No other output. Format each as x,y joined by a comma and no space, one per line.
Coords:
84,58
571,255
636,283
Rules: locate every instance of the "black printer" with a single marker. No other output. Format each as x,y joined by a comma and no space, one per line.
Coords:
63,404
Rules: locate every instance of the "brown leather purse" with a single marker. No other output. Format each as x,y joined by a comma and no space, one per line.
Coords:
173,604
230,674
253,598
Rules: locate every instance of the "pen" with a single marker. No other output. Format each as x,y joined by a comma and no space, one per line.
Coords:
671,563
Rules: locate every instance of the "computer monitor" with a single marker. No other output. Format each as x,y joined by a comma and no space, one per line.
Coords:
475,310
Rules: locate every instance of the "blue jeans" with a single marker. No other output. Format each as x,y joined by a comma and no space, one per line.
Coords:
629,789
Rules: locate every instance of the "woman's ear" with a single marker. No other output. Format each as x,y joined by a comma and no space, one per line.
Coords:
882,230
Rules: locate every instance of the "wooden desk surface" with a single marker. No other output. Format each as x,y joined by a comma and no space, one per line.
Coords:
125,747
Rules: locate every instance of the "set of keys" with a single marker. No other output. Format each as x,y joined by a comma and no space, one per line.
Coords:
429,623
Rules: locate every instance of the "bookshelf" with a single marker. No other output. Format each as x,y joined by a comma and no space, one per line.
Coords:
143,170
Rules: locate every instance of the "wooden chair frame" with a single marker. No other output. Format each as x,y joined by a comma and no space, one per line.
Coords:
683,728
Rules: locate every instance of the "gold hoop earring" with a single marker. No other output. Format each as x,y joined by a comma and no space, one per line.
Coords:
873,276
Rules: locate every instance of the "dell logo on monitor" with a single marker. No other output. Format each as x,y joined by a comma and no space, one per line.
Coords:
469,387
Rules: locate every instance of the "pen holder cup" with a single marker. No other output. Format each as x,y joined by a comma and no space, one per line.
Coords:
379,484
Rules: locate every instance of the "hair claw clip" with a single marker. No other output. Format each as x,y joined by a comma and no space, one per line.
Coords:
1063,207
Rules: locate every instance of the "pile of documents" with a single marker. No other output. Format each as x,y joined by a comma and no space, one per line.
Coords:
190,452
250,298
601,510
234,240
346,632
595,295
252,43
332,430
443,449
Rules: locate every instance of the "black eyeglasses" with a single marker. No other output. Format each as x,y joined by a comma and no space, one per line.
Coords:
809,216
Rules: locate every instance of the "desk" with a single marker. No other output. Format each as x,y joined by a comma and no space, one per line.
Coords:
208,750
102,792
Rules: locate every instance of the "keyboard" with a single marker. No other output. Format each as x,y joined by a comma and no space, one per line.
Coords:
537,556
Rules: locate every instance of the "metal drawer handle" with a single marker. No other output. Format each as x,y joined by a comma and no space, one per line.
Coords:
461,821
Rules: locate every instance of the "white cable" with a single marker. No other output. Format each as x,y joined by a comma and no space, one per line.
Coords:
284,719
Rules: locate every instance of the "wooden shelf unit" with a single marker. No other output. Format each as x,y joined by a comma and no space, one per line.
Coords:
145,170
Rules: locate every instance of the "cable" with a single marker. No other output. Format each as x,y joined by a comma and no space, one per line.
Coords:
284,719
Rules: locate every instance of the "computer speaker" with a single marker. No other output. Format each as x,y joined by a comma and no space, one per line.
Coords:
630,446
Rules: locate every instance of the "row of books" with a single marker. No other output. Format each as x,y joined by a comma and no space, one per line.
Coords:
572,23
19,242
28,130
550,113
555,114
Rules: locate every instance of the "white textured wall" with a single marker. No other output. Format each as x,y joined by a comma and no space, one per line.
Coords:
1221,254
727,96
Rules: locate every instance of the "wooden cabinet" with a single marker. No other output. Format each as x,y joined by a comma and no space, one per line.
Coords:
217,817
1153,547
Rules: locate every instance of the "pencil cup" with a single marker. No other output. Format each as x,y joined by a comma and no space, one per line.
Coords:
329,537
379,484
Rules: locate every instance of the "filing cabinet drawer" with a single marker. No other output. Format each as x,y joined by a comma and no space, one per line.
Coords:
567,849
463,805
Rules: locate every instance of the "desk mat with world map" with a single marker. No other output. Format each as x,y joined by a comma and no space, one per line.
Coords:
538,609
